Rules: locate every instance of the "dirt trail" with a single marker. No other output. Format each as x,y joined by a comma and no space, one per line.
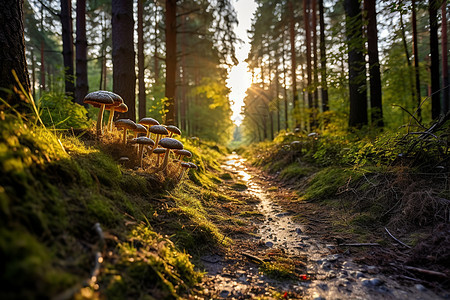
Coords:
323,272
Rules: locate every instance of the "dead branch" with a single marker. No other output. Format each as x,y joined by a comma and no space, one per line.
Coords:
425,271
253,258
361,245
397,240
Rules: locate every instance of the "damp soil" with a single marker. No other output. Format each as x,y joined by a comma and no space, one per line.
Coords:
287,250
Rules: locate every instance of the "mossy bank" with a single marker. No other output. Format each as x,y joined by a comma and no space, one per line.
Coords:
56,186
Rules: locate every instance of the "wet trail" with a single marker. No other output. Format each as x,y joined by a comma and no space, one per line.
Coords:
331,274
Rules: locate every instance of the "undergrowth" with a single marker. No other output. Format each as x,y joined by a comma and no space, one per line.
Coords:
55,185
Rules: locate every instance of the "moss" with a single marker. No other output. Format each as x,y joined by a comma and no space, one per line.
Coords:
326,183
295,170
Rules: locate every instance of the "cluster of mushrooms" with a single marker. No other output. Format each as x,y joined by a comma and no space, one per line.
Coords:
149,136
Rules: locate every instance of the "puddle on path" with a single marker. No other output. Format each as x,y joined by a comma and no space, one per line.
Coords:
335,275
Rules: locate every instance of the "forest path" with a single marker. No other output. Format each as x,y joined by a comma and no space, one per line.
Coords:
269,239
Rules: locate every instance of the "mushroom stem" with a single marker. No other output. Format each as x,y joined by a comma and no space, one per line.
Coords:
100,120
110,119
165,162
155,145
141,154
124,136
182,174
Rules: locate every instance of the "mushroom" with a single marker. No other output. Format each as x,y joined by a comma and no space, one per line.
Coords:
142,141
122,108
169,144
99,99
180,153
158,152
149,122
125,124
117,101
140,129
173,130
185,166
158,130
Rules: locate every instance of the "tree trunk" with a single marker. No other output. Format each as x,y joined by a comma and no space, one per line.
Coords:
445,80
42,85
171,61
408,60
315,63
285,95
67,39
141,60
124,76
416,60
434,56
293,57
33,75
323,59
12,56
374,64
356,65
81,53
308,52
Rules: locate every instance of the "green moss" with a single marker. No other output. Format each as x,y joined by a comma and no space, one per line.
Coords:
326,183
295,170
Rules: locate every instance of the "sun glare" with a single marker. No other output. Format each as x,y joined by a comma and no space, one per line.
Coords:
239,81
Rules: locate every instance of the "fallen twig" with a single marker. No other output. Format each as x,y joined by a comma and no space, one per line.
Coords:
397,240
425,271
361,245
252,257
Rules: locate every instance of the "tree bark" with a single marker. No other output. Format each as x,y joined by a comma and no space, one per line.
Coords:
308,52
315,62
293,57
67,39
434,59
141,60
81,53
12,55
42,85
445,80
374,64
285,95
356,65
171,61
124,76
416,60
323,59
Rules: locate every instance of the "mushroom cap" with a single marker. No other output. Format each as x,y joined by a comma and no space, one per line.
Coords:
159,151
158,129
183,152
140,129
170,143
98,98
125,123
173,129
142,140
192,165
117,99
185,164
148,121
122,108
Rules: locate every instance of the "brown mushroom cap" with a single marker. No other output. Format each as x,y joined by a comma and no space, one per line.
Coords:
173,129
122,108
125,123
159,151
170,143
158,129
148,121
185,164
192,165
117,99
183,152
140,129
98,98
142,140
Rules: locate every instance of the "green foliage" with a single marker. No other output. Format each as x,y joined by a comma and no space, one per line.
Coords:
59,111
